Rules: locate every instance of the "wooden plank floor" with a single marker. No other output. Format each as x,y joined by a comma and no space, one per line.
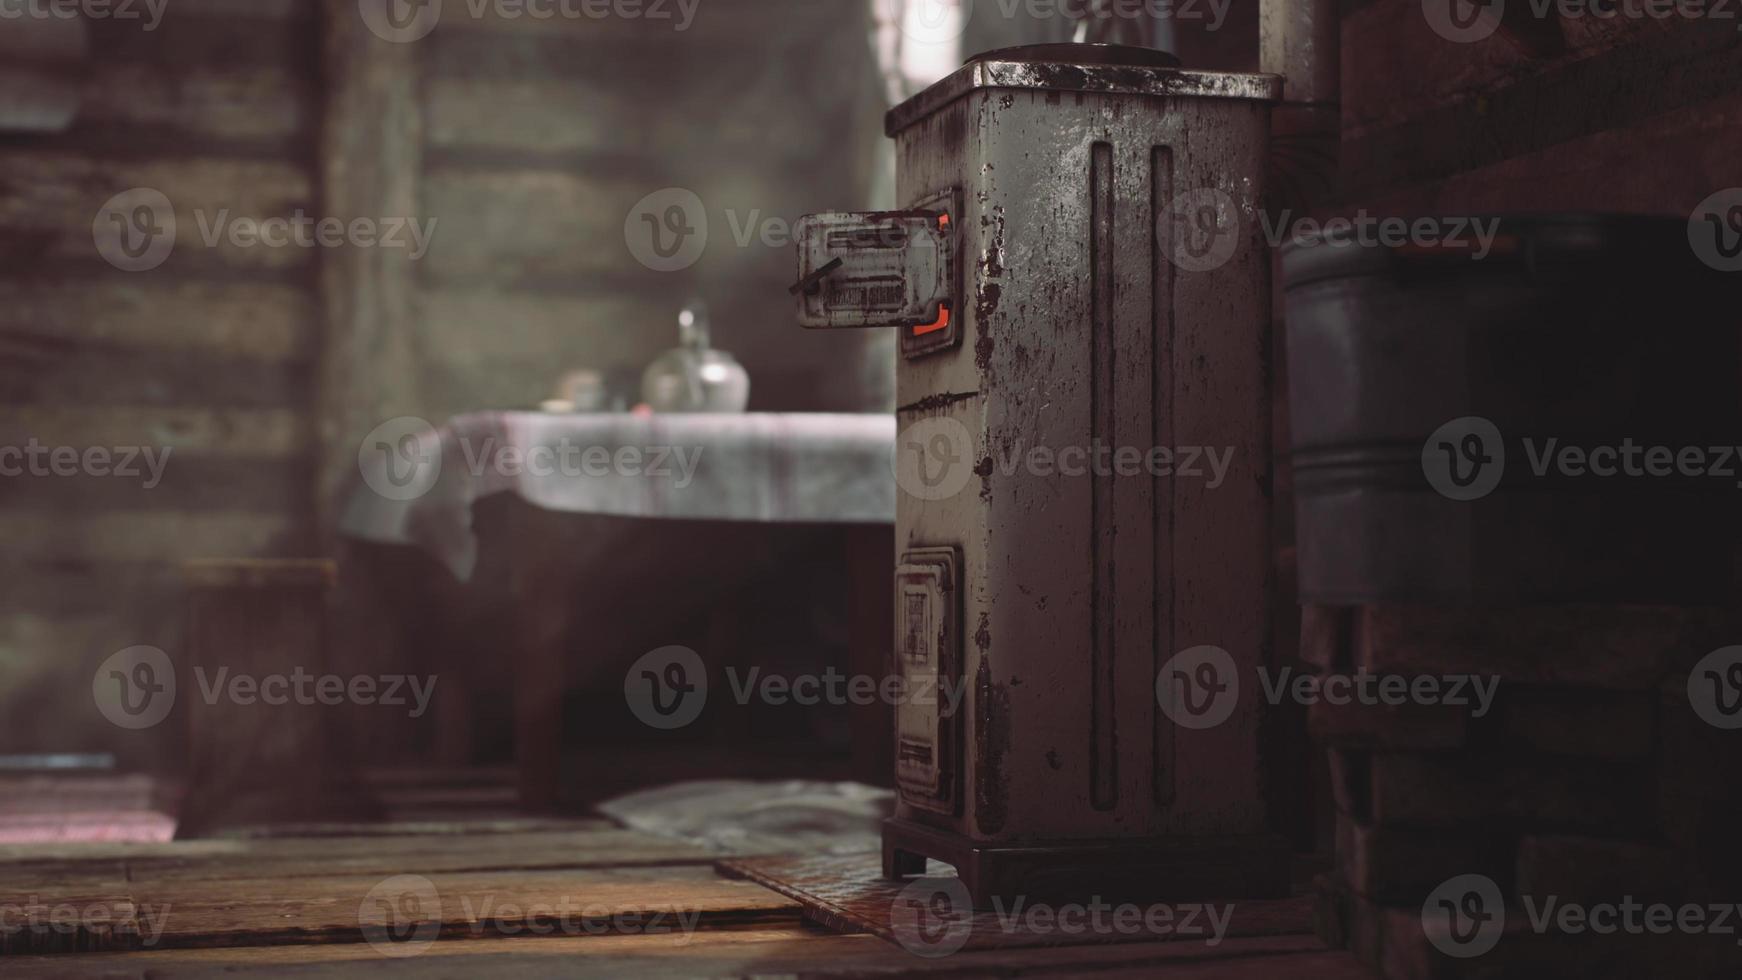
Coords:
499,896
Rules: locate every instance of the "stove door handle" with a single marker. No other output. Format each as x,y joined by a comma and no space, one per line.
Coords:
809,283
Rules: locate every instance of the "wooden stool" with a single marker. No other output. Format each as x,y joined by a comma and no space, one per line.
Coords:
259,754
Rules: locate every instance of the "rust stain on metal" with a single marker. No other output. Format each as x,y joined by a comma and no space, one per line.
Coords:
990,292
1024,279
992,260
1059,76
987,303
938,402
991,742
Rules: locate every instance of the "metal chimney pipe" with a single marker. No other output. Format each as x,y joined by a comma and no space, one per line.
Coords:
1301,40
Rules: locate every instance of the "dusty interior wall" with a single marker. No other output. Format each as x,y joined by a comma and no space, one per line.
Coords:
540,137
206,357
1584,113
543,137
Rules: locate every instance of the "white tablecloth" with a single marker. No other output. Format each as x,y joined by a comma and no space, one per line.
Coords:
791,468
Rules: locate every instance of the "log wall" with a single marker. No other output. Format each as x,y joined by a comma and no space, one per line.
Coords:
529,141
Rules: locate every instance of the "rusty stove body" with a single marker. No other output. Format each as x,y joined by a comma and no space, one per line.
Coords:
1080,266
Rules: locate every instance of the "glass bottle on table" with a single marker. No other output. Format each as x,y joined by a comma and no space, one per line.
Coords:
694,377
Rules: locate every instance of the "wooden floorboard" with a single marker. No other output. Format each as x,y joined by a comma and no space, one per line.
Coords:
221,858
350,909
331,856
72,909
112,895
420,828
786,950
461,888
848,893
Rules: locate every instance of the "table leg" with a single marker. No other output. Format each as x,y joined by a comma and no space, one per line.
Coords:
871,610
542,590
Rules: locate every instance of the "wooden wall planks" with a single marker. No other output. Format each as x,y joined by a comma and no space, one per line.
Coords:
541,135
250,434
55,193
1419,110
1665,164
527,139
207,355
272,323
370,144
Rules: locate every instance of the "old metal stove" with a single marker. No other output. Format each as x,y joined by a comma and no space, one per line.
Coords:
1079,271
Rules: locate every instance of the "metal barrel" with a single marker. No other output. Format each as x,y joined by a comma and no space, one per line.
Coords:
1544,409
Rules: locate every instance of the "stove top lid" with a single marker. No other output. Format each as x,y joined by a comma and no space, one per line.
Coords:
1112,69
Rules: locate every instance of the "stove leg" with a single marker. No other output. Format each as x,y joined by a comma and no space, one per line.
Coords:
899,864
